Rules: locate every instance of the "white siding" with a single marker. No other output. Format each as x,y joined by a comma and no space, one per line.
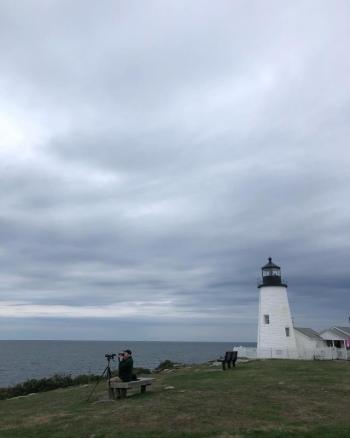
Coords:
308,347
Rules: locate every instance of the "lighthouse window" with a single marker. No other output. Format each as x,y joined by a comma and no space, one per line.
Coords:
267,319
287,332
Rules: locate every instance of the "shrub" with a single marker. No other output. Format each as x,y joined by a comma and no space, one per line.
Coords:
166,364
46,384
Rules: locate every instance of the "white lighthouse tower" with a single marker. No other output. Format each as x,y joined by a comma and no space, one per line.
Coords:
276,337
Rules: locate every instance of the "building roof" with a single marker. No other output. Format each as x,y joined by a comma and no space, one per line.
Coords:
270,264
342,332
346,330
309,332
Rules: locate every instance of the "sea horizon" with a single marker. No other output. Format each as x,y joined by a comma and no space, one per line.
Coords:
21,360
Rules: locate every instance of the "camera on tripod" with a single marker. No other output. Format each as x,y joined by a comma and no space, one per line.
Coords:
110,356
106,372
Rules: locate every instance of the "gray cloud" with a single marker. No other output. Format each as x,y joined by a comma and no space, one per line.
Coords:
152,156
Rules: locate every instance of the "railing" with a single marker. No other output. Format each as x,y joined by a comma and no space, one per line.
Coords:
284,282
246,352
326,353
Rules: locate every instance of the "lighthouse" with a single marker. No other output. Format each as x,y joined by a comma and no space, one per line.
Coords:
276,337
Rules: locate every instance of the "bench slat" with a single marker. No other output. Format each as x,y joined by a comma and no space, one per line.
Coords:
119,389
132,384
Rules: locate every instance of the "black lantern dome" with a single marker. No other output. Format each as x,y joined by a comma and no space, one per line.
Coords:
271,275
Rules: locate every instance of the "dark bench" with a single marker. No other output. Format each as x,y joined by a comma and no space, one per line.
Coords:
119,389
229,359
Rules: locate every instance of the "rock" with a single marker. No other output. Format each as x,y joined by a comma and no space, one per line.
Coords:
169,387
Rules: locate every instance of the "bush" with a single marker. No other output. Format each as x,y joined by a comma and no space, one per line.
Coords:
166,364
46,384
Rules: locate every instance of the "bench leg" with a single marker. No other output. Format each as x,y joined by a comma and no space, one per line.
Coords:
123,393
118,393
223,366
110,392
143,388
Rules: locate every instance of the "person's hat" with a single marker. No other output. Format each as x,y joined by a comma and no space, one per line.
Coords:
128,351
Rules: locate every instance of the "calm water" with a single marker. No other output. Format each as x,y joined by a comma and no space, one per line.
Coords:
21,360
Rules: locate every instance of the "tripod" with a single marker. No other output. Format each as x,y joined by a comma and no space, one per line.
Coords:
106,372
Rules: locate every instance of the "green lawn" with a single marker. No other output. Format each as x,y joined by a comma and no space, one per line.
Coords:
270,398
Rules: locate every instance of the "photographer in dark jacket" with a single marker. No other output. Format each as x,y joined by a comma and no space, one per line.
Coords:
126,364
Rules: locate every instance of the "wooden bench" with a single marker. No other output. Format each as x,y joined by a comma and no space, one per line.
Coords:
119,389
229,359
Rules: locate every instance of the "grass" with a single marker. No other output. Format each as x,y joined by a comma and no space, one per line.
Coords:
257,399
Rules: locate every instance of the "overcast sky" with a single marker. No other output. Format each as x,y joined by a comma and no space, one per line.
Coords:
153,154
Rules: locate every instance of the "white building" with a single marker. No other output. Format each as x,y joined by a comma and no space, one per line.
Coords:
276,337
338,339
310,344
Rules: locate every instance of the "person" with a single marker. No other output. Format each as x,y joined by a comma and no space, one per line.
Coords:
125,368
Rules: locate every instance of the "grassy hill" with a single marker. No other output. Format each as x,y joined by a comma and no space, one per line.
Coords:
270,398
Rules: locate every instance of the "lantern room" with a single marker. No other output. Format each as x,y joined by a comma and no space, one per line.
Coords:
271,275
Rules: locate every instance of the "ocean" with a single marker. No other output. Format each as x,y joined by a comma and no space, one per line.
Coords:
22,360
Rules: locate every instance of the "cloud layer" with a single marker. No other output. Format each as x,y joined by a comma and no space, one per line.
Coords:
153,155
